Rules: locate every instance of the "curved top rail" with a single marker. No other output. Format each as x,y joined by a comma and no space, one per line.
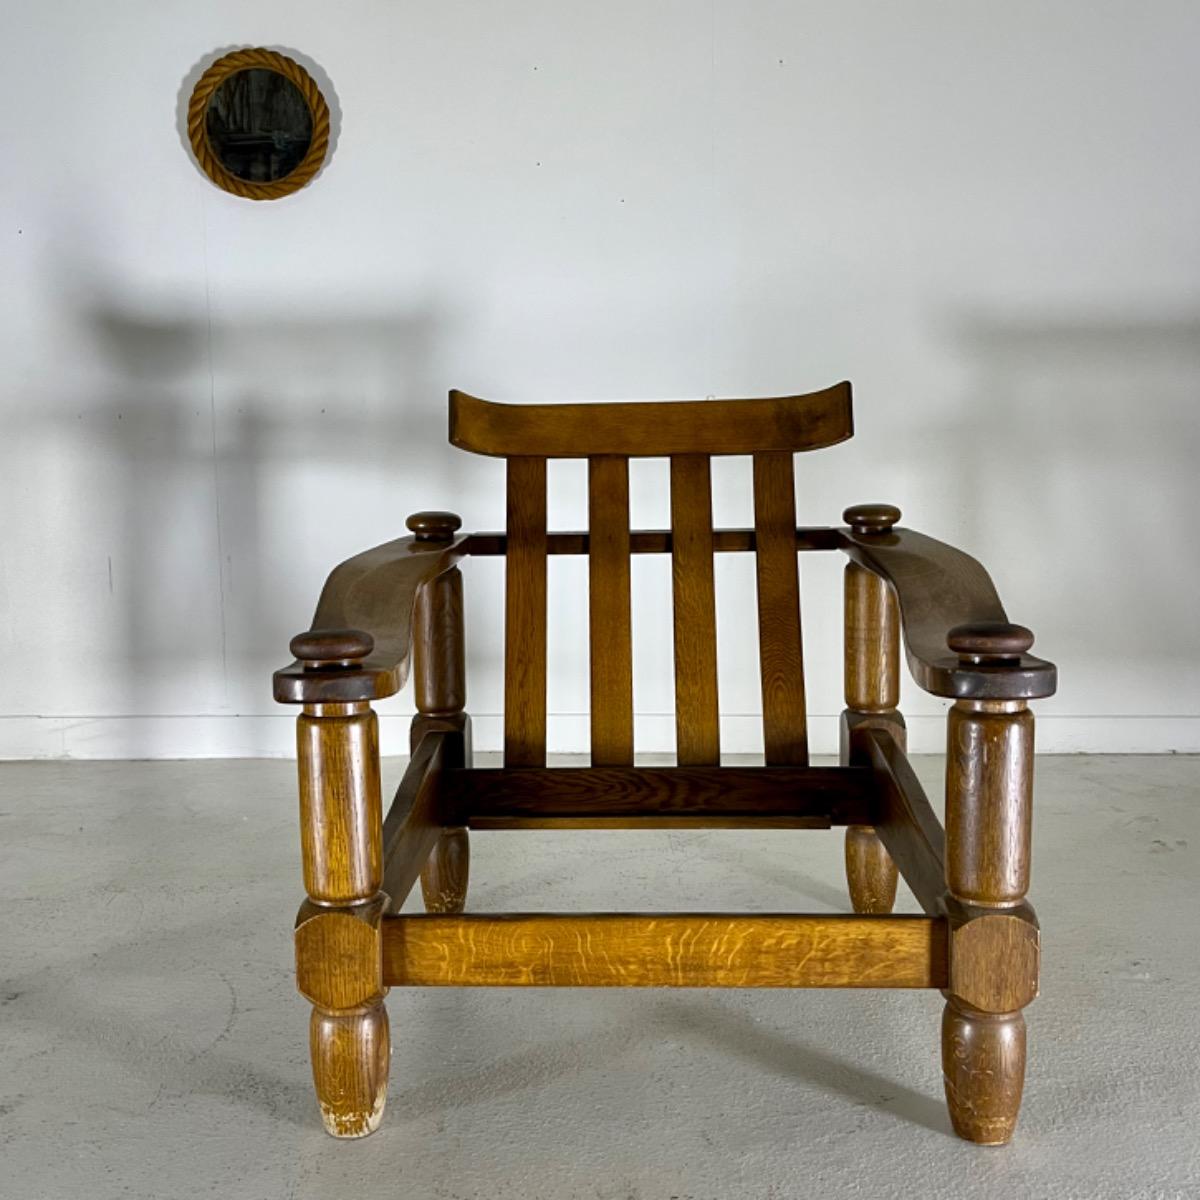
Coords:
652,428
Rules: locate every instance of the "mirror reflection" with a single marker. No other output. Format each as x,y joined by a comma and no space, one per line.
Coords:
259,125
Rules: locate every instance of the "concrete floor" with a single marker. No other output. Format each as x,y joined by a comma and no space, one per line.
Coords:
151,1043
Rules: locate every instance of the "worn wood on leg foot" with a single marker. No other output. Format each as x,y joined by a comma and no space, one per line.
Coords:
350,1052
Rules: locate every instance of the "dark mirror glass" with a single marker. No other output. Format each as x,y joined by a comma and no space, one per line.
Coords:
259,125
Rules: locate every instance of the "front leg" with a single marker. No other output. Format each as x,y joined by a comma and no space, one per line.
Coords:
994,933
339,952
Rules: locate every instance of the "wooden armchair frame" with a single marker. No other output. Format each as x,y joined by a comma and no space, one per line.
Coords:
401,604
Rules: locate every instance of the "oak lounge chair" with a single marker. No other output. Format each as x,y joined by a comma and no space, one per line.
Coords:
401,603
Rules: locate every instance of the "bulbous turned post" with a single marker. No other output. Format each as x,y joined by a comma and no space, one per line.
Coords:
872,686
993,932
440,687
339,963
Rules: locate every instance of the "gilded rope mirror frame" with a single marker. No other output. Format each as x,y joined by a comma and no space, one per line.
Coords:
207,156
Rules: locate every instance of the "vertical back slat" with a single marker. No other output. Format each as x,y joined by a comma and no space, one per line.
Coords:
525,616
608,607
785,735
696,730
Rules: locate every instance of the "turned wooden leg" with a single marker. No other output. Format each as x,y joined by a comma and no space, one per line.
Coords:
994,935
872,679
440,689
339,954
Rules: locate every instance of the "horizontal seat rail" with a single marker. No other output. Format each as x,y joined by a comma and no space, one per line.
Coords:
657,797
654,541
665,950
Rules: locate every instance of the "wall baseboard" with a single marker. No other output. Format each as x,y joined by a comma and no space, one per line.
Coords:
272,736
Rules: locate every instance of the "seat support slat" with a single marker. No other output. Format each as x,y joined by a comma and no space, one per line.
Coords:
697,734
525,615
665,950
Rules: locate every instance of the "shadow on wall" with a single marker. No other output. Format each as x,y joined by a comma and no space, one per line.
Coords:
243,461
1078,446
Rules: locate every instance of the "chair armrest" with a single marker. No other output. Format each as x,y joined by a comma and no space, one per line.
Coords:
939,588
372,594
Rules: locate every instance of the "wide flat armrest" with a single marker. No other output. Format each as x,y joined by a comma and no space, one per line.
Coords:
374,592
938,588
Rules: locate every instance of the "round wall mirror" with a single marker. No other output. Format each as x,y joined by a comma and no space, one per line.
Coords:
258,124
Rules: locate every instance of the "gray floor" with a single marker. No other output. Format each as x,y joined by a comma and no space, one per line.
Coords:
151,1044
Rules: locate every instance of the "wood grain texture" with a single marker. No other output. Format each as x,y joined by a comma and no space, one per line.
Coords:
445,874
525,615
439,650
350,1053
375,592
338,954
338,763
983,1068
665,950
989,798
872,640
781,658
787,423
697,732
609,612
937,588
989,775
655,541
663,797
416,818
870,871
905,821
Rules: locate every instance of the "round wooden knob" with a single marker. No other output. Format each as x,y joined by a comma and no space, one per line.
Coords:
989,641
327,647
871,518
434,526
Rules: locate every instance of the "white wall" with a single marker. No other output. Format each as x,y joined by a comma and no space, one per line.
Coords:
984,215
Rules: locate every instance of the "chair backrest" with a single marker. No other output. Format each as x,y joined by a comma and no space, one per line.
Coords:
689,433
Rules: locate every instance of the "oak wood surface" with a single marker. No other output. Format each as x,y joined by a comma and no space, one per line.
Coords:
871,640
783,797
989,789
665,950
937,588
609,612
666,428
375,592
697,733
338,764
525,615
989,774
781,658
350,1054
445,873
983,1068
